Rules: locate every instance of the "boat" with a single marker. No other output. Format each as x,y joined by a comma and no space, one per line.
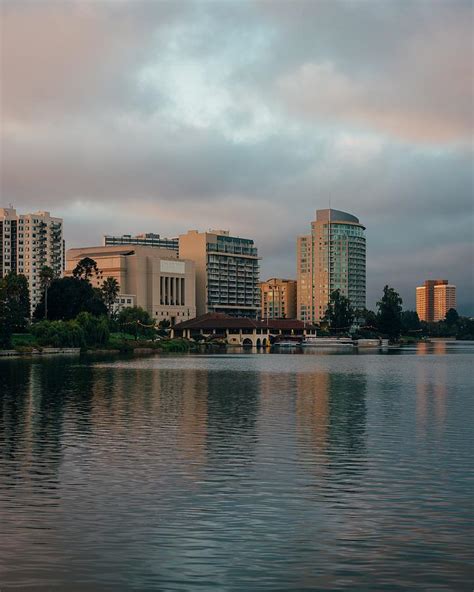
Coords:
327,342
286,344
368,343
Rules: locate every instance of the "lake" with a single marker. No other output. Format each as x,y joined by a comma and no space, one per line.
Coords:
239,472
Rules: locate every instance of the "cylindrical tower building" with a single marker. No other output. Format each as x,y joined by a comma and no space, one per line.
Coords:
331,258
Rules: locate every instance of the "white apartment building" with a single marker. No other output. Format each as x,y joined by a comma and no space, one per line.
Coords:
27,243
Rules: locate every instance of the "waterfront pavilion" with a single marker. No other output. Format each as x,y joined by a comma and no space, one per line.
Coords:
242,330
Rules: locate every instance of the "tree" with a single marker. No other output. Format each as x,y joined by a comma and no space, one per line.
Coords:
96,329
452,317
389,317
46,277
69,296
164,328
6,327
15,295
410,321
85,269
109,290
367,318
136,321
59,334
339,312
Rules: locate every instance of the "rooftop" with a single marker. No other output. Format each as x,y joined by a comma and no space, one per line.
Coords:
215,320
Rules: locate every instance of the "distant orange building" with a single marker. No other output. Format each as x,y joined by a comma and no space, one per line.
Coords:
434,299
278,299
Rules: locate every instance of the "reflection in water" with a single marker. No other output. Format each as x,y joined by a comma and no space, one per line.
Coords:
431,393
331,413
252,472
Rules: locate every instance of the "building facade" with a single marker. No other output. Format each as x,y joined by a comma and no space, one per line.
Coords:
332,257
149,277
243,331
444,299
278,299
28,242
434,299
149,239
227,272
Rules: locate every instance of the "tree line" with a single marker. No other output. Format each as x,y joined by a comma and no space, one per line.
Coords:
71,312
390,320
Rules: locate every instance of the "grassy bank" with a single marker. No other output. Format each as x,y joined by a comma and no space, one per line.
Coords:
122,342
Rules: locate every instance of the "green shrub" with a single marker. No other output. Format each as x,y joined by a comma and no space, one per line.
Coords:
96,329
59,334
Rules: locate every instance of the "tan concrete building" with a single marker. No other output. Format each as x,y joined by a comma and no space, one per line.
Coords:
227,272
278,299
331,258
28,242
434,299
149,277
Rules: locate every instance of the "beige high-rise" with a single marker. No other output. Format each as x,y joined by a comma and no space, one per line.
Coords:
434,299
278,299
149,277
331,258
28,242
227,272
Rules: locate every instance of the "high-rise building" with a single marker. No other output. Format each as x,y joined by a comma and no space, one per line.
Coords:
444,299
149,239
434,299
28,242
154,279
331,258
278,299
227,272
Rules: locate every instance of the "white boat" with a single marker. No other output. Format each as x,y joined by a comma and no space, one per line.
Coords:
328,342
368,343
286,344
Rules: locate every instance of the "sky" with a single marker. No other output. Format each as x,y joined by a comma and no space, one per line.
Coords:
150,116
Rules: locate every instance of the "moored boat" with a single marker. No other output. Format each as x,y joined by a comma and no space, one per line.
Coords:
286,344
368,343
327,342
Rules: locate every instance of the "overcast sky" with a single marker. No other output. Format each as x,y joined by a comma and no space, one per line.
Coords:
126,117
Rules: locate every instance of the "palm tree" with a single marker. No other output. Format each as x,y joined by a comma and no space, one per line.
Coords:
109,290
46,277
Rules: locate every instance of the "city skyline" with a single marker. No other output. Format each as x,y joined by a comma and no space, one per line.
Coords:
163,117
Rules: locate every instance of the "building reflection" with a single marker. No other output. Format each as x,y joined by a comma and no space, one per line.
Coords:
160,413
431,393
312,410
331,421
15,379
233,404
34,405
433,347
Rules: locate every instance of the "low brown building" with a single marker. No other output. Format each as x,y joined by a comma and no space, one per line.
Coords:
243,331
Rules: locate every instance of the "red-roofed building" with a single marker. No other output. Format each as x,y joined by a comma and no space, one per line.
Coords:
242,330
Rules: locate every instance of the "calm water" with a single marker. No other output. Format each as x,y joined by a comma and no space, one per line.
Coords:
239,472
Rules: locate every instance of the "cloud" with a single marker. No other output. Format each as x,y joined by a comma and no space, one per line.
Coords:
164,116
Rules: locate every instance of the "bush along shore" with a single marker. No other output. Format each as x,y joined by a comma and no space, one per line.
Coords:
27,344
55,337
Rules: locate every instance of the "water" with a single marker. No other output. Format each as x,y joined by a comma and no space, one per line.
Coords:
238,473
